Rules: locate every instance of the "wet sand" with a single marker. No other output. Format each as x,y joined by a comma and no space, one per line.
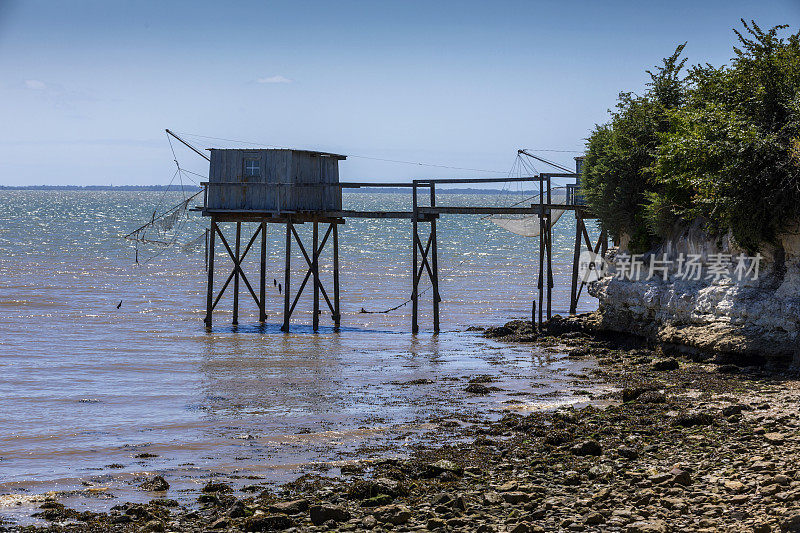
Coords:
677,445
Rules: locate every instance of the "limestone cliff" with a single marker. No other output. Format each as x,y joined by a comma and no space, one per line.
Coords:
747,317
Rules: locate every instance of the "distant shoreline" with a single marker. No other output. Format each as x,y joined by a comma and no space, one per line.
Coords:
394,190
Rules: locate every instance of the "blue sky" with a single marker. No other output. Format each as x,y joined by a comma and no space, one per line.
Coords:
87,88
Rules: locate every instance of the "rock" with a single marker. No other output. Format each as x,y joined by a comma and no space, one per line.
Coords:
681,477
594,518
369,522
658,479
220,523
655,526
212,486
516,497
237,510
734,486
781,479
290,507
728,369
652,396
732,410
665,364
322,513
693,418
774,438
436,523
392,514
627,452
155,484
268,522
762,527
377,501
362,489
440,467
492,498
522,527
791,522
589,447
631,393
477,388
153,526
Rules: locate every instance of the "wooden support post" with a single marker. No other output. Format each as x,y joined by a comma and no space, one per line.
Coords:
205,250
315,274
573,294
550,282
336,309
236,275
434,265
540,283
414,284
286,275
262,292
210,286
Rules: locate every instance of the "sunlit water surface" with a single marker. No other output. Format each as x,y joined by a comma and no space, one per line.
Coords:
86,387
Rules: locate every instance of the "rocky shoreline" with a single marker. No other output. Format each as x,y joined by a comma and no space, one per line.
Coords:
685,445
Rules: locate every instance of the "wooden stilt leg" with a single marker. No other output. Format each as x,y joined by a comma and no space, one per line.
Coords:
414,285
206,250
336,309
573,295
541,264
236,275
262,293
435,265
210,286
286,275
549,253
315,273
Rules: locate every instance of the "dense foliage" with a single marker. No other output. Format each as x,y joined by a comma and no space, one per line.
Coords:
721,144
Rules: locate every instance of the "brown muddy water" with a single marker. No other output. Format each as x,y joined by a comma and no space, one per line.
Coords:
93,397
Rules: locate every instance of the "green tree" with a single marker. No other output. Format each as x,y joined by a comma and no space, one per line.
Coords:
619,154
731,154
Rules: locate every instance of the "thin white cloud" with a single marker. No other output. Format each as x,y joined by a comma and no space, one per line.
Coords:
274,79
36,85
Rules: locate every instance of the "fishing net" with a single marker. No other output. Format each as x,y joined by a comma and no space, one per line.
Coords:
529,225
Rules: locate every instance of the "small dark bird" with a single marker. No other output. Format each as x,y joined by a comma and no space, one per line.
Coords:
274,282
279,288
119,304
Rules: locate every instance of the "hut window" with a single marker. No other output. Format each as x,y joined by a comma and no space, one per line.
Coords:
252,168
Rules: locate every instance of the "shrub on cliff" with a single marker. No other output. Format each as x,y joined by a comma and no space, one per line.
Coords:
722,146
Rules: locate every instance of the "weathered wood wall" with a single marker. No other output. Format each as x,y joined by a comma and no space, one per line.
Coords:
290,180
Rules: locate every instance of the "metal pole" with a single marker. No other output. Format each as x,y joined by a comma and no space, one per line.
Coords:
195,150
